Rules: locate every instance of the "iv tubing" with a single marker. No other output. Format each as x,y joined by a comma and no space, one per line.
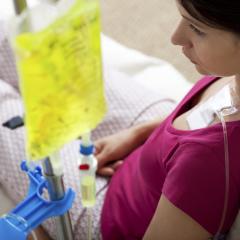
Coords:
226,157
89,213
34,235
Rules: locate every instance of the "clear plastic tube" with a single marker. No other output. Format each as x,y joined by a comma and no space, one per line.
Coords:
221,115
90,217
34,235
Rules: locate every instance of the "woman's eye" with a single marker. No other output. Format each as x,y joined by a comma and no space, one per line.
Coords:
197,31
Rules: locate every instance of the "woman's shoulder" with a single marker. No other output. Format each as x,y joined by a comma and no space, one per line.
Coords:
203,90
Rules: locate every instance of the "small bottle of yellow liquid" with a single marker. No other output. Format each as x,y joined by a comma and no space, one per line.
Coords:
87,173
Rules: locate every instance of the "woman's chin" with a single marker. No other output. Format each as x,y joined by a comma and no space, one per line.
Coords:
201,70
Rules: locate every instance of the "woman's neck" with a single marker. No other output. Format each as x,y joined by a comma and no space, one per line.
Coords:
236,90
237,84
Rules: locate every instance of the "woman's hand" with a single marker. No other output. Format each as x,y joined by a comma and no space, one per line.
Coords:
110,151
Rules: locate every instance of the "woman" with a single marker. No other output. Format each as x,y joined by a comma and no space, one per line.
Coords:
167,179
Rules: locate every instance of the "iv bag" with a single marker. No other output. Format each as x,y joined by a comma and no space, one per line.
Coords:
61,78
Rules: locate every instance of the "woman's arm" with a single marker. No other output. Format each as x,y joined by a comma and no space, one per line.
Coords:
171,223
144,130
111,150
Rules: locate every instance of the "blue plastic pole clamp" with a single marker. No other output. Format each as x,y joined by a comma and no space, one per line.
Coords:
34,209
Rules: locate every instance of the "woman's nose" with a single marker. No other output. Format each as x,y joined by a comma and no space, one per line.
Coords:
180,37
175,38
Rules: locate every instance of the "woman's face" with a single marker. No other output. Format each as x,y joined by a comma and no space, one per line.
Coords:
213,51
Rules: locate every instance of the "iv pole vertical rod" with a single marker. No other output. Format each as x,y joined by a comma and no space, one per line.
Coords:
57,192
20,6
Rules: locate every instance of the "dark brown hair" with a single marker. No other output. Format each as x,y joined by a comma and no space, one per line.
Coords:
221,14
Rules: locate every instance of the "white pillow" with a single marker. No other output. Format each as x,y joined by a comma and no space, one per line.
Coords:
155,74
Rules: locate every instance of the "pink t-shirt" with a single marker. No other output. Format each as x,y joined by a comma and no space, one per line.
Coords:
186,166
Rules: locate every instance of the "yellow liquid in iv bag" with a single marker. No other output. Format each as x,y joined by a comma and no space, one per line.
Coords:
61,79
88,191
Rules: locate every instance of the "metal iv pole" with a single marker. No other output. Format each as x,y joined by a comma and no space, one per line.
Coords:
19,6
57,192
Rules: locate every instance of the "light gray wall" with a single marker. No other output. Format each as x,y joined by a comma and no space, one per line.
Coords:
146,25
